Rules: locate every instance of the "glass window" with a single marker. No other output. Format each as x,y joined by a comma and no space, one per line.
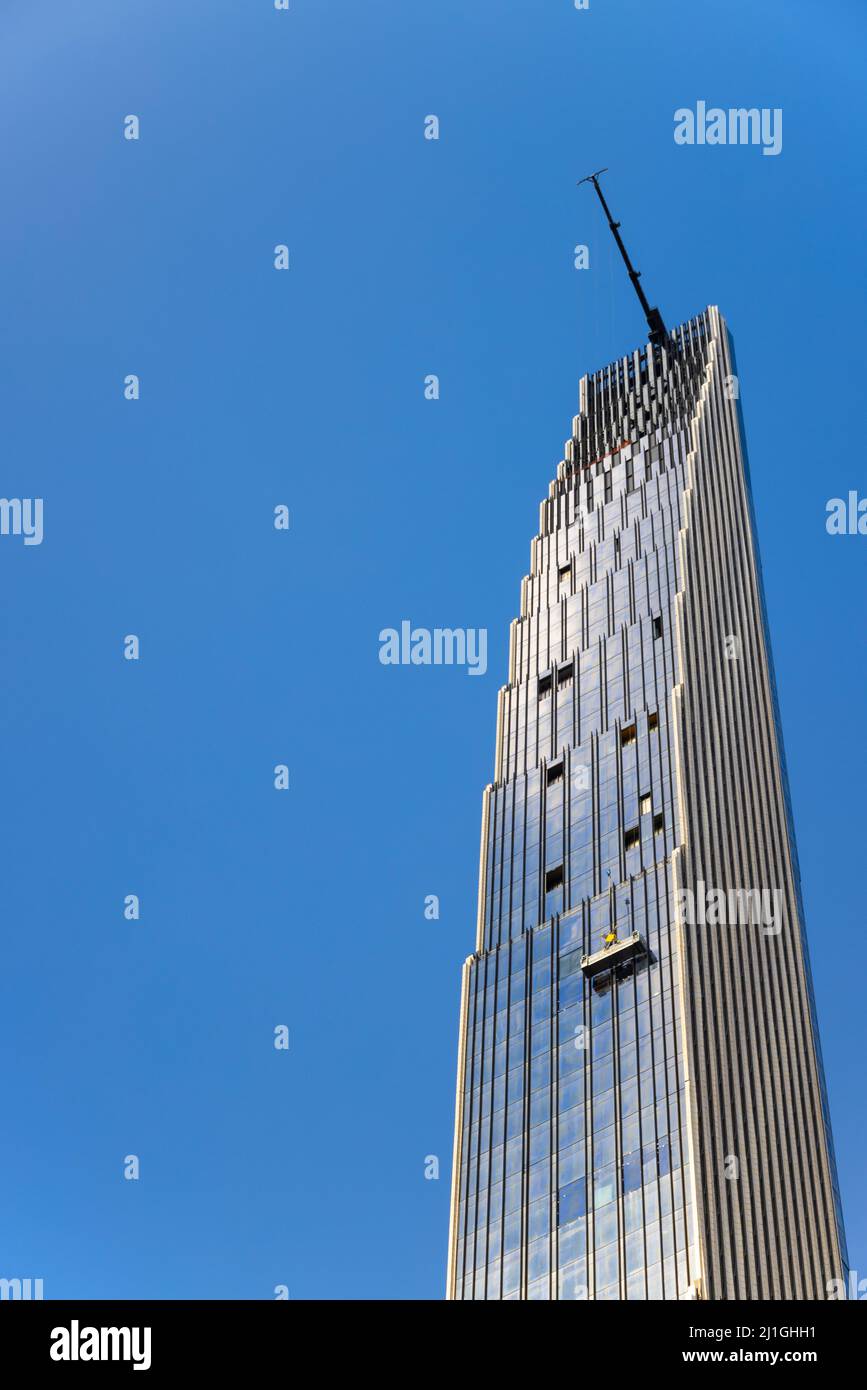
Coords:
604,1188
632,1172
571,1202
572,1281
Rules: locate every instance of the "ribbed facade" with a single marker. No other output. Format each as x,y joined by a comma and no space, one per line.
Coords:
641,1109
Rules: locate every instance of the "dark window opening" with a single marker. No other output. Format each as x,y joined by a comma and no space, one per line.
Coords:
565,573
565,674
631,837
554,773
658,823
628,734
653,721
657,627
554,878
545,684
645,805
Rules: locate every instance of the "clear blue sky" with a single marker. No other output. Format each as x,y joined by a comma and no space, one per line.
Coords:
408,257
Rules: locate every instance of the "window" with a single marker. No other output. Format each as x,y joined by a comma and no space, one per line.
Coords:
545,684
644,804
571,1202
565,573
657,1159
603,1188
631,838
632,1171
628,734
657,626
565,674
658,823
652,722
617,549
554,878
630,479
554,773
570,963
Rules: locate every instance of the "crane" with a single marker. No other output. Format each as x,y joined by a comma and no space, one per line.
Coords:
658,330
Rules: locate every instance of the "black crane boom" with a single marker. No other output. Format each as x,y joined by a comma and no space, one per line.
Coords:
658,331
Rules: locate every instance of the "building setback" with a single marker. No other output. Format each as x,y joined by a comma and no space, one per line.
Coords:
641,1108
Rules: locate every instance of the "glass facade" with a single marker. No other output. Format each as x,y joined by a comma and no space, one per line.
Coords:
573,1170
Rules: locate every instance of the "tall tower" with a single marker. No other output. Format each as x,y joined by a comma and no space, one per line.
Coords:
641,1108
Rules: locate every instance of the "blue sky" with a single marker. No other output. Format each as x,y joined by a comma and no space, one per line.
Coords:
408,257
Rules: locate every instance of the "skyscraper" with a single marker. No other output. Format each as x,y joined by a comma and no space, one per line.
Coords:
641,1108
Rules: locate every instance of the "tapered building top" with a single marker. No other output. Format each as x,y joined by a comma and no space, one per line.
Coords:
641,1109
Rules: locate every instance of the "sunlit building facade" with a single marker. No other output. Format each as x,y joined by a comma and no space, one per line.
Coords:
641,1110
